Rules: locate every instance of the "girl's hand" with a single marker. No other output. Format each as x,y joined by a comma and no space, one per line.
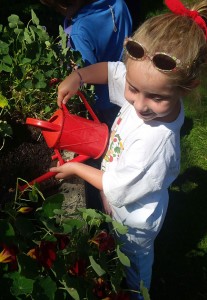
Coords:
68,88
64,171
87,173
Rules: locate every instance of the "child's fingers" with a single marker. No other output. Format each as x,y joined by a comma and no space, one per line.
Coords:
54,169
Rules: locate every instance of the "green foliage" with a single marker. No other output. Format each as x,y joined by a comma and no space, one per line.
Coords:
47,253
31,65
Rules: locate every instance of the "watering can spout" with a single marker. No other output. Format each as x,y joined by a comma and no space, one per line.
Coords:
43,125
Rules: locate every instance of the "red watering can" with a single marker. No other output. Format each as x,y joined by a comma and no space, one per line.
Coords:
65,131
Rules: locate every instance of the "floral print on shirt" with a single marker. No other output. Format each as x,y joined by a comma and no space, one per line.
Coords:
115,144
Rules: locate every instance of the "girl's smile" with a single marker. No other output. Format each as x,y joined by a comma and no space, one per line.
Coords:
151,93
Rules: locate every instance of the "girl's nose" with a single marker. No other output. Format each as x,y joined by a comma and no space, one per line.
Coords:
140,103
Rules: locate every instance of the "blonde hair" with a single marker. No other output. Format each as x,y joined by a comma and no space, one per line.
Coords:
179,36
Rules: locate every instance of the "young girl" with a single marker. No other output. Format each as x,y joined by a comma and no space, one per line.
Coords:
162,64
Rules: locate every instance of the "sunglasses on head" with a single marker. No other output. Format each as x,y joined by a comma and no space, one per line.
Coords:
162,61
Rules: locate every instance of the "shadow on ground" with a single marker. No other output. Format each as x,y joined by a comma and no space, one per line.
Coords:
180,268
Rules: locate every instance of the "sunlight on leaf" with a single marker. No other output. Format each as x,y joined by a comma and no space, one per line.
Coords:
35,19
3,101
122,257
120,228
97,268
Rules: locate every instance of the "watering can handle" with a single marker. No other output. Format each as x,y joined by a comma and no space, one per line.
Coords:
43,124
93,115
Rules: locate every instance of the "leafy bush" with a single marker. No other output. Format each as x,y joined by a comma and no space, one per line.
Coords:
31,65
47,253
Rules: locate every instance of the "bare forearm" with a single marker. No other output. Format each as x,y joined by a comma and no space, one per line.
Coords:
87,173
95,74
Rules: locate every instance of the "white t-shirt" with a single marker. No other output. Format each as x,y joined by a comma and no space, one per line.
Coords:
141,162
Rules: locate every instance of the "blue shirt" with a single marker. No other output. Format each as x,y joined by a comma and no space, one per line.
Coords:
97,31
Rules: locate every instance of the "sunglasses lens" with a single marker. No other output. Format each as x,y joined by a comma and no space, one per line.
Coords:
134,49
164,62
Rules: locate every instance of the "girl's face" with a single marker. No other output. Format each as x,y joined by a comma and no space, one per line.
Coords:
150,92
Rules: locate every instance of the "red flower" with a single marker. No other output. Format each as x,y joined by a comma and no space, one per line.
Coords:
104,241
62,240
25,209
79,268
8,255
45,253
54,81
101,289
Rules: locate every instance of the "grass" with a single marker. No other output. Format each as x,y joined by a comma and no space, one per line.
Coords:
180,268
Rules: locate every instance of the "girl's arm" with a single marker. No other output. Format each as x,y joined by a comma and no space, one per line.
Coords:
93,74
87,173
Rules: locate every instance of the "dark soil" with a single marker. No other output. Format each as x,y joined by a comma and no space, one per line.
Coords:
25,155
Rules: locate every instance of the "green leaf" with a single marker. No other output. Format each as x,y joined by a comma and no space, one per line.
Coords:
35,19
7,233
70,224
32,33
6,68
67,229
51,224
74,223
33,195
67,285
92,213
122,257
63,37
122,229
73,293
28,84
51,203
18,30
144,291
14,21
48,44
27,36
47,109
25,227
4,48
29,267
21,285
44,288
40,85
3,101
97,268
7,59
5,129
25,61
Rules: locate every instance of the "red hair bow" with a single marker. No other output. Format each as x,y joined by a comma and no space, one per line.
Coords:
178,8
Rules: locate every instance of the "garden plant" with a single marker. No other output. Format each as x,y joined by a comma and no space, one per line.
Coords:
46,252
32,63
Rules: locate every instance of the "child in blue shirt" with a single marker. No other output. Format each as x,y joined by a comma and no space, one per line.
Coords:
97,30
